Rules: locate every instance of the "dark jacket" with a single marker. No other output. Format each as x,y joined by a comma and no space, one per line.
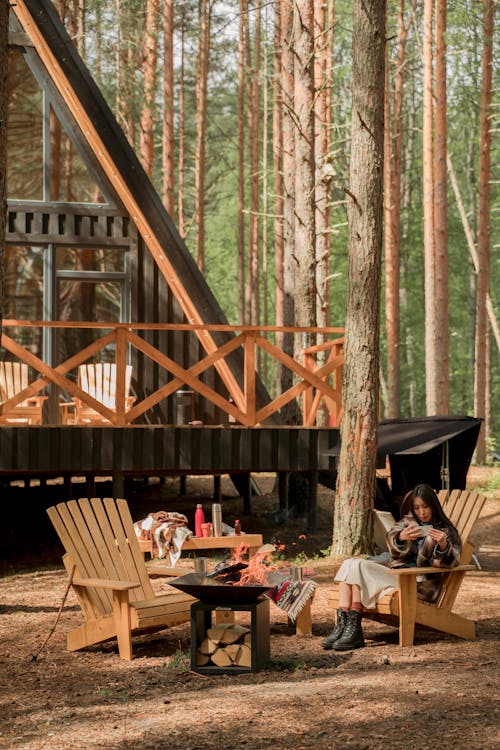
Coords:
407,553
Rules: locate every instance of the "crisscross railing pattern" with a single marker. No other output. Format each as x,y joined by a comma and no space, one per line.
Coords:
316,380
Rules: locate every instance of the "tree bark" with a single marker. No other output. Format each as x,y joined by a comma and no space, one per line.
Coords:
168,133
323,35
353,525
441,338
392,180
305,226
242,35
149,63
429,235
182,137
290,412
201,118
4,60
253,110
483,229
278,175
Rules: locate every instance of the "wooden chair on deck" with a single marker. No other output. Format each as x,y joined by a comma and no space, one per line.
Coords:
402,605
99,381
108,574
14,380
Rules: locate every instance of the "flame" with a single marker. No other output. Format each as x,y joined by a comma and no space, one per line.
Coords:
257,567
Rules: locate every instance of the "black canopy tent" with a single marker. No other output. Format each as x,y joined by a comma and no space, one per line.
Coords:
434,450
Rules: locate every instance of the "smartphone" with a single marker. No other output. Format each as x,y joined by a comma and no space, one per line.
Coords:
424,530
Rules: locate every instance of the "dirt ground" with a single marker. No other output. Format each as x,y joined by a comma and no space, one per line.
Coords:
443,692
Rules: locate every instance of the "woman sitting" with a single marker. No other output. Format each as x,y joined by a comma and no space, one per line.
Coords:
423,537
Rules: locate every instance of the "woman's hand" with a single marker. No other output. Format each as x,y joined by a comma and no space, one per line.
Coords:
439,537
409,533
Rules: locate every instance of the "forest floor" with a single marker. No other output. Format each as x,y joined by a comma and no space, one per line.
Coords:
442,692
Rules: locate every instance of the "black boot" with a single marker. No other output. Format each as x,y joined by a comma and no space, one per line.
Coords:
352,637
337,631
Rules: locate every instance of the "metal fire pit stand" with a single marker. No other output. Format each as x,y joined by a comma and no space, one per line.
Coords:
201,620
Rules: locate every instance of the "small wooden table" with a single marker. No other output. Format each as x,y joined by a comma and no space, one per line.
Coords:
252,541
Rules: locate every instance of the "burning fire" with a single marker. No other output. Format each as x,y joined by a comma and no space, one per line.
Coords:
256,569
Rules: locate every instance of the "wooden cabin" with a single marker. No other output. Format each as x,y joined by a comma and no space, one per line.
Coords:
111,280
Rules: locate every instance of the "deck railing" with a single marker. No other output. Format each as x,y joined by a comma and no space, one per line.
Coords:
316,380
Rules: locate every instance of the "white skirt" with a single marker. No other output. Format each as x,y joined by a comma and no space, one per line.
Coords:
373,579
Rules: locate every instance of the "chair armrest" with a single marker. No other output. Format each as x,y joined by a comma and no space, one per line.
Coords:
425,571
163,571
105,584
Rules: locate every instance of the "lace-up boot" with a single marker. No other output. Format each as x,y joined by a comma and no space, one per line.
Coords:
337,631
352,637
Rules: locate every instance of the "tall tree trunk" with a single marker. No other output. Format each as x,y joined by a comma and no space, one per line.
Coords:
182,136
168,133
253,111
483,228
265,180
352,532
429,235
4,60
201,118
278,175
441,339
323,34
149,62
305,227
391,258
392,180
242,37
290,412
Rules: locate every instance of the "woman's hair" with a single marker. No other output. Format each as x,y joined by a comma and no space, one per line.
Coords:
427,494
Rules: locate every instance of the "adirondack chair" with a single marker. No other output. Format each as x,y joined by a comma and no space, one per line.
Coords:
108,574
13,380
402,605
99,381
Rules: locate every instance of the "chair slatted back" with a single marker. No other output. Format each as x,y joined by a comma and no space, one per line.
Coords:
99,537
99,381
13,379
463,508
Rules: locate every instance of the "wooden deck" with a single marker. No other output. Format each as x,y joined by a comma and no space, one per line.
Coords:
138,450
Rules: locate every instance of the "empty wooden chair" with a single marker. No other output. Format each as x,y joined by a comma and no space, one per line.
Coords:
99,381
402,607
14,380
109,576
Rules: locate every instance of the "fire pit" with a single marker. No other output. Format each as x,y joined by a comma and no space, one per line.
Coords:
210,590
219,645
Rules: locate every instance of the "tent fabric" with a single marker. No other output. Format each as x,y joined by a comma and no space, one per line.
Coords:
422,449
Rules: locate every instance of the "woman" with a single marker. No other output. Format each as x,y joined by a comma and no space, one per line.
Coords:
363,582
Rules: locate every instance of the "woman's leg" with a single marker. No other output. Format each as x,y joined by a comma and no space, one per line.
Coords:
346,595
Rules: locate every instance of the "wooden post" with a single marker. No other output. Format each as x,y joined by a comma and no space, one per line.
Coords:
118,485
312,494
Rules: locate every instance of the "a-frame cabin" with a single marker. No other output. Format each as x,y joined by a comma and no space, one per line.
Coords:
167,323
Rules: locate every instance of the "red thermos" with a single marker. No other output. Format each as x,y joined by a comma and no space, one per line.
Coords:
199,518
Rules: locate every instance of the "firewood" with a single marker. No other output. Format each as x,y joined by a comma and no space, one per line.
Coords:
233,633
247,640
221,658
201,659
244,658
232,651
215,634
207,646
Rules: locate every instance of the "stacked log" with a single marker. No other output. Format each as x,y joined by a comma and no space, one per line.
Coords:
225,646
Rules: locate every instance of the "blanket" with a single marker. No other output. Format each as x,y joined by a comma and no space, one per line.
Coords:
290,596
167,530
